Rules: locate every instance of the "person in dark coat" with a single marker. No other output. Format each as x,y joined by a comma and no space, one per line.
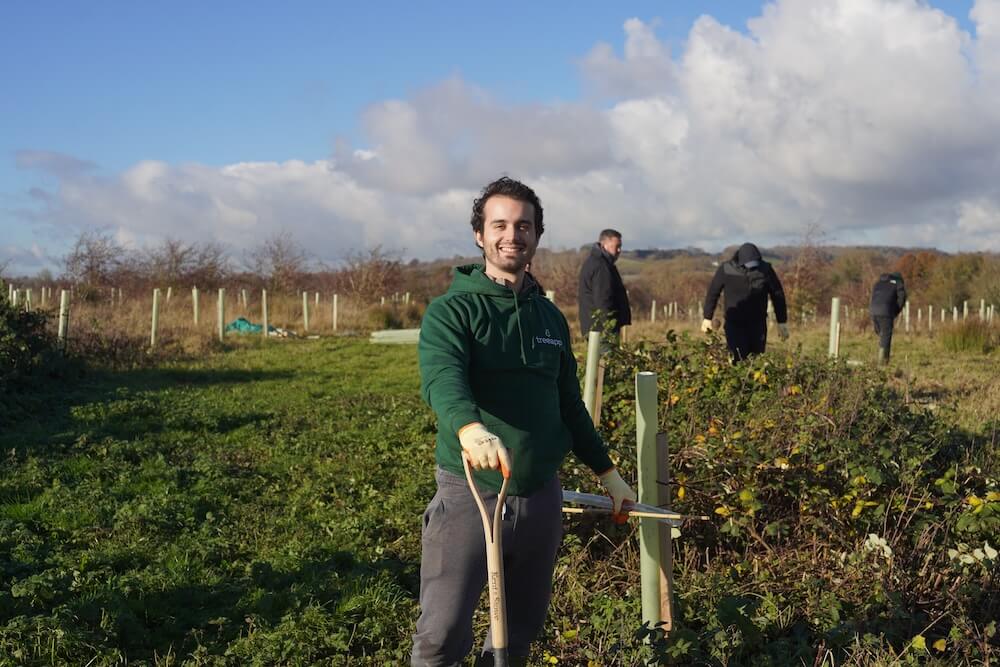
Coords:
748,281
601,293
888,299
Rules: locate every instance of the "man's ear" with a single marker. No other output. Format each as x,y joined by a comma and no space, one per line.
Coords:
479,239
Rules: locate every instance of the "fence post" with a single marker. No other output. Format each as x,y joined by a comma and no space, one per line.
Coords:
982,310
222,313
245,297
334,312
63,318
965,310
263,310
155,318
305,311
317,301
550,294
27,299
14,300
834,327
590,376
930,319
170,293
194,304
906,316
652,312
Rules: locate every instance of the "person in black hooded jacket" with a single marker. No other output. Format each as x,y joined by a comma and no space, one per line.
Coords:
601,293
748,281
888,299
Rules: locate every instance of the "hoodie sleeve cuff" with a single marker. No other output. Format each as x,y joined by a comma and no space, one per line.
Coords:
464,418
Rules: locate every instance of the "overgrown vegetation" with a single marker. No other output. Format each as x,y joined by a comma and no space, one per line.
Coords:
969,336
253,509
846,521
27,353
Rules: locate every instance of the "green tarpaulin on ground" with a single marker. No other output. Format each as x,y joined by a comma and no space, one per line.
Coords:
243,325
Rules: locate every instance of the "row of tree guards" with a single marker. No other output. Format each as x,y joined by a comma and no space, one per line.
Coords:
986,314
64,303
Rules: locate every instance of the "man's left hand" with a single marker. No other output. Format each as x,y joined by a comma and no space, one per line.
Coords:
783,330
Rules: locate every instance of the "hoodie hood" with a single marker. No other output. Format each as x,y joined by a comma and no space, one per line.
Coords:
472,279
747,253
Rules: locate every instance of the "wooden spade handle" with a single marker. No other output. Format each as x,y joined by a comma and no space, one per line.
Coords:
493,532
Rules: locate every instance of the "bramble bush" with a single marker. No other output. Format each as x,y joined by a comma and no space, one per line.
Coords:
846,522
25,344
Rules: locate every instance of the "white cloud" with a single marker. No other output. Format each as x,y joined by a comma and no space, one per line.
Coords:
646,69
878,119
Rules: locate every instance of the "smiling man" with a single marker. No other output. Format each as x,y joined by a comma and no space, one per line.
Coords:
497,368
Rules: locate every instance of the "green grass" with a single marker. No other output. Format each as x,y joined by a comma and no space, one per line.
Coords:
252,505
263,507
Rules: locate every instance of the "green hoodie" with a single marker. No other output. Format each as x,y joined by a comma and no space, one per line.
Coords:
486,356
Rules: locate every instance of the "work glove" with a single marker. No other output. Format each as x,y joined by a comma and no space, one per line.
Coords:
620,492
485,450
706,326
783,330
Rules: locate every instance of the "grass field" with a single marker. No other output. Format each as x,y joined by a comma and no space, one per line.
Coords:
262,506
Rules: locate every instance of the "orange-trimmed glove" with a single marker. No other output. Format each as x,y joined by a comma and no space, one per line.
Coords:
620,493
484,449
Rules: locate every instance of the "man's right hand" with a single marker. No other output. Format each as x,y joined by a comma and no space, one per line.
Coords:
706,326
484,449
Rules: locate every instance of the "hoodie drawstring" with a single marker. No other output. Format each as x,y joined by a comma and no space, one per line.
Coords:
520,331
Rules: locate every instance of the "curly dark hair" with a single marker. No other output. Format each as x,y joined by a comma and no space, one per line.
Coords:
508,187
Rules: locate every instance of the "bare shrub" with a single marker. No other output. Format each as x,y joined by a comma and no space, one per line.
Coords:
370,274
806,278
174,262
279,260
95,259
558,271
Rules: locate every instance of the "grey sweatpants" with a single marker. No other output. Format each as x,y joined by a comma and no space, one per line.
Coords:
453,568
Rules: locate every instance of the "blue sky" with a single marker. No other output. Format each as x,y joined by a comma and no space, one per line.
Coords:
223,83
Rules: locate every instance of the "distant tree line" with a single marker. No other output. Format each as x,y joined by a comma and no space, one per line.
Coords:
812,273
